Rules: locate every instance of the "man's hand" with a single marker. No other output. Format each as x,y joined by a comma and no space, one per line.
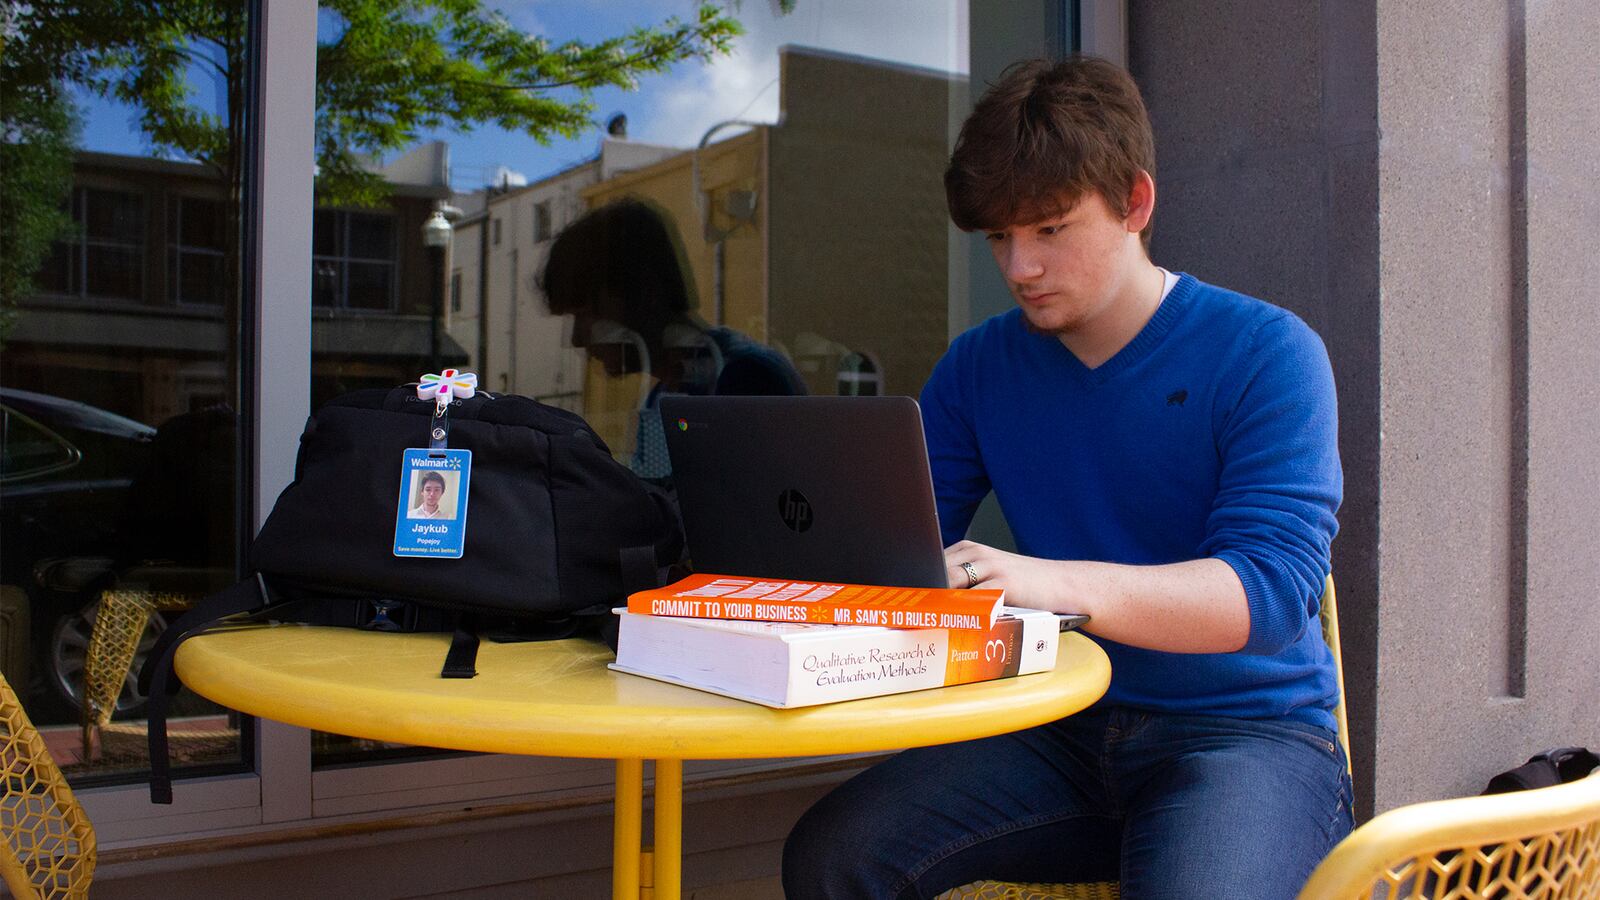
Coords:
1189,607
1027,580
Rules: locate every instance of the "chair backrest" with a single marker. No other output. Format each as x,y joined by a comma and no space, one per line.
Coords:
1542,843
1330,633
49,844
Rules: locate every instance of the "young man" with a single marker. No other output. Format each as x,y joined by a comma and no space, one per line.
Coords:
1165,453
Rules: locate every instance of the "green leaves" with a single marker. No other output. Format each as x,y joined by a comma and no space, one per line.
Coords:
391,72
36,135
387,72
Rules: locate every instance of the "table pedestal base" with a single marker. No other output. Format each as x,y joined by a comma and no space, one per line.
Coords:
628,855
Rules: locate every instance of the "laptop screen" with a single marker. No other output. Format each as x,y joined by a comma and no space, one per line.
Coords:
806,488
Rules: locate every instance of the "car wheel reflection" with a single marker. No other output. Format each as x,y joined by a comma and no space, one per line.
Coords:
69,647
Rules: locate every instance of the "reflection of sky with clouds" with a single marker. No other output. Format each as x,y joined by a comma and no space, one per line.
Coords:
673,108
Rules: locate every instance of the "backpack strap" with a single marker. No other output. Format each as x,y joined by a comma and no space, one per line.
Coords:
640,570
668,549
462,660
248,596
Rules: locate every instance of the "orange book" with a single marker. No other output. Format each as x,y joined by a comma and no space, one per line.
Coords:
820,603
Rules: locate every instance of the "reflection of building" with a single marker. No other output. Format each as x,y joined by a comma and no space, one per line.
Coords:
500,317
130,305
133,306
725,268
374,288
841,266
856,245
824,236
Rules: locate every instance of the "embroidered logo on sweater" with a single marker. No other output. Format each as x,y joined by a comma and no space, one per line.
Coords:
1176,398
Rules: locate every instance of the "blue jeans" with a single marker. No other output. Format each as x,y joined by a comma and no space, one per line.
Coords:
1171,805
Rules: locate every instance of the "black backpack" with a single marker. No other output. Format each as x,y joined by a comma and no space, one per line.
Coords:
558,532
1562,765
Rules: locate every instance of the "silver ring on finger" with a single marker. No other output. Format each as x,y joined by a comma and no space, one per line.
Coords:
972,574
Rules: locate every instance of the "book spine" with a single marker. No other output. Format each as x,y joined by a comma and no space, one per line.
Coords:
870,664
820,604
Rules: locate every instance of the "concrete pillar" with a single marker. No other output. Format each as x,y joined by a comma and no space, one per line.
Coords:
1417,181
1487,256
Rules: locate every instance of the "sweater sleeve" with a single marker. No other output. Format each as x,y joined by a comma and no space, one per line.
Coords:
960,481
1280,481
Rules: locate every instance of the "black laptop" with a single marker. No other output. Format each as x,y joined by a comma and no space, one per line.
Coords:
812,488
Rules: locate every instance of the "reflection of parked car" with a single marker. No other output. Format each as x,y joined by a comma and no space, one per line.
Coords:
65,473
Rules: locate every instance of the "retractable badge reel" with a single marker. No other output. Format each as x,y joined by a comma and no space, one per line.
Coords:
431,516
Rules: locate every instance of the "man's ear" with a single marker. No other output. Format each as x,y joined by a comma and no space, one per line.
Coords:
1141,202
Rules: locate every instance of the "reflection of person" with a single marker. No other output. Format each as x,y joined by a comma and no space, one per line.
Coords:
1165,454
177,530
431,490
618,272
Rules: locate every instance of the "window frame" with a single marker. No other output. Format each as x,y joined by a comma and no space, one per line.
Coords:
343,258
177,250
78,244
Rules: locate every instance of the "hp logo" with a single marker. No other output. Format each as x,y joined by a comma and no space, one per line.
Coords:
794,509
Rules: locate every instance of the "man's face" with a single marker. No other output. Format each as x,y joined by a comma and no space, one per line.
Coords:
431,492
582,327
1066,270
602,339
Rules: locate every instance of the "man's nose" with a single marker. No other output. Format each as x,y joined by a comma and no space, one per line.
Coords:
1019,263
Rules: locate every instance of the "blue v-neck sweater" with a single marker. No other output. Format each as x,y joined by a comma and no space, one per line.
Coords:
1213,433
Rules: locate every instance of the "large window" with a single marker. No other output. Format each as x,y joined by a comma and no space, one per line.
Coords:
122,422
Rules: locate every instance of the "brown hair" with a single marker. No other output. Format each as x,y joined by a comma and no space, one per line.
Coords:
1043,136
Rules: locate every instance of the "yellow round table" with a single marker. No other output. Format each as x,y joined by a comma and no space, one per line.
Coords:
557,698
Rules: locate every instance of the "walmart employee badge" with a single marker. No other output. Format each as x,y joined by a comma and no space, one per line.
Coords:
432,517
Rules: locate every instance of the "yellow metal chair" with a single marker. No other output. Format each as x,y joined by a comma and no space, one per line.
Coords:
1007,890
1542,844
120,621
49,843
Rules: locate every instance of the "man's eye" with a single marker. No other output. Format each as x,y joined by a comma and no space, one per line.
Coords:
995,236
1050,229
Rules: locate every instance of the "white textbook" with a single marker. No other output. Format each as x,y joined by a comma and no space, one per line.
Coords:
785,664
